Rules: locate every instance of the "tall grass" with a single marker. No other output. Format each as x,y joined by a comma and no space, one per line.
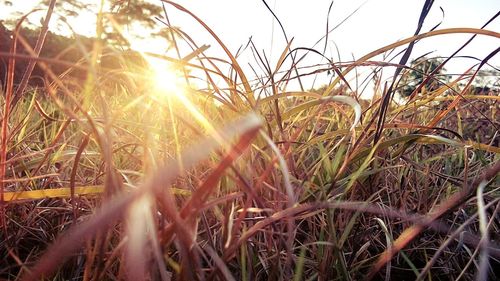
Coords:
244,181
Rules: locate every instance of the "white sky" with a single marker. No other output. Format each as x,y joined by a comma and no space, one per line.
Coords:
376,24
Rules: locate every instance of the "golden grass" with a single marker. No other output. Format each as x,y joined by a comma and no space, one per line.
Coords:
243,180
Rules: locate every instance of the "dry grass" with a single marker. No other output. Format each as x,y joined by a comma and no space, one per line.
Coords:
104,182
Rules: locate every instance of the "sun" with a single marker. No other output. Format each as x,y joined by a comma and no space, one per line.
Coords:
166,81
169,85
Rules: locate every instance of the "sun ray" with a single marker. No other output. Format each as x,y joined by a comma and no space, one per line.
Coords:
168,84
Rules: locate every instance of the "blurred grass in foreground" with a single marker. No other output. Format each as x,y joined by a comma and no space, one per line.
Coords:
242,180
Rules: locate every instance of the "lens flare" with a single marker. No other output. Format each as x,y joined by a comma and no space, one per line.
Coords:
170,85
165,80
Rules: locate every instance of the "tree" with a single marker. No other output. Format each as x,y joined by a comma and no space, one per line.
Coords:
126,12
419,70
63,49
487,81
120,15
115,54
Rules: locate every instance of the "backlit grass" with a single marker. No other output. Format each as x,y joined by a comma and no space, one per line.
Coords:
226,177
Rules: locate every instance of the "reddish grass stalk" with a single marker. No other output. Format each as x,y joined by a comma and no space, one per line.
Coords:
446,207
38,49
5,122
113,210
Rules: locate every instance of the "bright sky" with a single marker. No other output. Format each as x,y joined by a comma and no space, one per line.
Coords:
376,24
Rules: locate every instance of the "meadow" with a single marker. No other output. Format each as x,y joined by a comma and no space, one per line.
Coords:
127,173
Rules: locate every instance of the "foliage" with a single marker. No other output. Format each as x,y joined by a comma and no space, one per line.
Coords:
418,71
70,8
487,80
122,14
67,53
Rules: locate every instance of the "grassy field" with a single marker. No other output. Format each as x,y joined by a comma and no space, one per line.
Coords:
241,179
